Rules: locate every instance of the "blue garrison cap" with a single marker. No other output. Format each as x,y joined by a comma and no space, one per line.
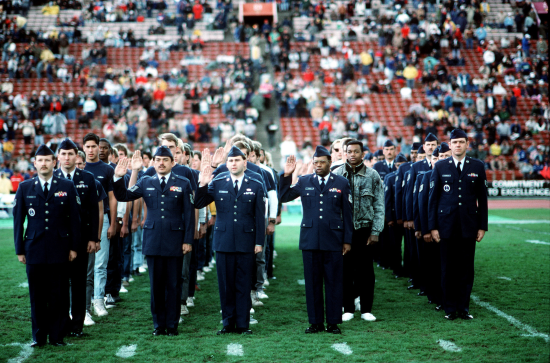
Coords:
379,153
163,151
235,151
321,151
368,156
43,150
388,143
436,151
444,147
67,144
430,137
415,146
458,134
421,150
400,158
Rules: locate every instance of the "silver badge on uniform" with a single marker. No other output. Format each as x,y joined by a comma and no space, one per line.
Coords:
192,198
31,212
447,188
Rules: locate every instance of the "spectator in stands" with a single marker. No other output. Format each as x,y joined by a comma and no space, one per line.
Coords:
6,186
410,73
89,106
28,131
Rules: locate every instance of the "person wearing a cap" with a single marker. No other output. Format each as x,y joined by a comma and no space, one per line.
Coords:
369,160
51,206
239,234
395,231
85,185
325,236
400,232
167,232
432,255
457,218
422,164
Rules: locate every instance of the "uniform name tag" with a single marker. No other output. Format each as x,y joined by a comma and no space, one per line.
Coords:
248,193
31,196
175,189
309,188
446,175
150,188
223,191
100,177
60,194
81,186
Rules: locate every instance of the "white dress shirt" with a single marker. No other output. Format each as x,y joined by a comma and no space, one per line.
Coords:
239,181
49,181
71,173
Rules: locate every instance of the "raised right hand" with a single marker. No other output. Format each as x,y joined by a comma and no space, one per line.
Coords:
137,161
290,165
205,176
122,167
219,157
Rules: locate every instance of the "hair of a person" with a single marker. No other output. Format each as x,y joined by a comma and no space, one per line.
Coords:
148,153
268,159
345,141
197,153
81,154
123,148
105,140
337,141
243,145
355,142
114,151
168,136
91,137
256,146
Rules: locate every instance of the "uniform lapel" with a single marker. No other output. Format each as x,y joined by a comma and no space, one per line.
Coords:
53,187
328,181
244,184
315,182
465,166
38,189
156,183
452,166
231,186
170,182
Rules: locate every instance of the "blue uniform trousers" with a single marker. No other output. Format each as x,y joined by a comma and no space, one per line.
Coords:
48,290
323,267
165,278
457,272
234,275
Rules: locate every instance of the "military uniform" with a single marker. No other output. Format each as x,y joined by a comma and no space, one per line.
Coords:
85,185
420,243
457,208
384,246
170,223
240,226
327,224
395,232
53,230
401,233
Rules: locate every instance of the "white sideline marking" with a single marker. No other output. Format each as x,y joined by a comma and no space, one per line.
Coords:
301,282
126,351
235,349
23,284
25,352
532,331
537,242
342,348
504,278
449,346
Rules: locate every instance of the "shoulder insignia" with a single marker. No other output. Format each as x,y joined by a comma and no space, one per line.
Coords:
431,184
134,188
78,200
421,188
402,184
192,198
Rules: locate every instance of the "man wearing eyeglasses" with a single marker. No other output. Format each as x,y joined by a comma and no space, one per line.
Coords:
325,236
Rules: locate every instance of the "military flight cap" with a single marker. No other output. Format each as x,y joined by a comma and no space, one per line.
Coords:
43,150
321,151
163,151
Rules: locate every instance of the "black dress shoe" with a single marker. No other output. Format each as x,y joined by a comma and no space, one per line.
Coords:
76,334
421,293
412,287
315,328
158,332
225,330
465,316
37,345
244,331
439,308
59,343
172,332
451,316
333,328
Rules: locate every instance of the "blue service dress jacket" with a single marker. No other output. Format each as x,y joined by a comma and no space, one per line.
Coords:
327,222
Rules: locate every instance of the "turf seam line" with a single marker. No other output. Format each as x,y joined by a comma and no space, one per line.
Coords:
518,324
537,242
24,354
504,278
523,229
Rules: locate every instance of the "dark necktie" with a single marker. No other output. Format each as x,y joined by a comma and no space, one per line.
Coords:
46,190
69,176
458,168
322,183
163,183
236,187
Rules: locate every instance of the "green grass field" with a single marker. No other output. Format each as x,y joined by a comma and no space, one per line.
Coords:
512,276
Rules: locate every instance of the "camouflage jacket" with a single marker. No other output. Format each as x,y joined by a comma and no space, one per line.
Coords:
368,198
